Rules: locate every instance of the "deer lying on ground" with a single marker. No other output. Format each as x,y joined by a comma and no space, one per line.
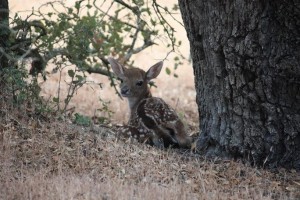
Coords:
152,120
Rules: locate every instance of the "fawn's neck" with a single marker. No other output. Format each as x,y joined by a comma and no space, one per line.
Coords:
134,102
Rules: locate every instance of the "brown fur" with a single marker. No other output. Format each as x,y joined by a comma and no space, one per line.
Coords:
151,119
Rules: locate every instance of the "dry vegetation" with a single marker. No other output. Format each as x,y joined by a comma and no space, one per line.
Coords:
44,158
49,159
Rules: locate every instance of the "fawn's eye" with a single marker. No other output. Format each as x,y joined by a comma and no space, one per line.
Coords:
139,83
121,80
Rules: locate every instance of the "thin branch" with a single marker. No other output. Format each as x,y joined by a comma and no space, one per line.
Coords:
105,13
111,76
168,55
114,18
169,13
59,88
6,54
97,71
146,45
135,36
162,20
135,9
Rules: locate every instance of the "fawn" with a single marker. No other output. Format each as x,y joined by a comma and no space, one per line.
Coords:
152,120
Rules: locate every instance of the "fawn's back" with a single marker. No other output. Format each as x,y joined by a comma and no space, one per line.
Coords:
151,119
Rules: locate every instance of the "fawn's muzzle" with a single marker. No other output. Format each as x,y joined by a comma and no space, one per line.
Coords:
125,91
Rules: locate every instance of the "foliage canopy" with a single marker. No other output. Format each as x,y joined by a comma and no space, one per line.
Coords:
84,33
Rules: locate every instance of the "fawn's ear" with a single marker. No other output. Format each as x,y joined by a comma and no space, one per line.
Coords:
117,68
154,71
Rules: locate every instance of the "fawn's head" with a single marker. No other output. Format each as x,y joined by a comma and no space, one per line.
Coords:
134,81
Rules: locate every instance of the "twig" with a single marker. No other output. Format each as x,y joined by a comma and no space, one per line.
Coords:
162,20
111,77
135,10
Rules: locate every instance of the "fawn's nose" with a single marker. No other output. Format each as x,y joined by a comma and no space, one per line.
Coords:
124,90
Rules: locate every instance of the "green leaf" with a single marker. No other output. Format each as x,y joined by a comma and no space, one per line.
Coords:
168,71
71,73
153,22
79,77
89,6
70,10
82,120
175,7
77,4
50,14
55,99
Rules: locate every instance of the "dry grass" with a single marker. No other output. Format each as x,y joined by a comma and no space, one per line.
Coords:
58,160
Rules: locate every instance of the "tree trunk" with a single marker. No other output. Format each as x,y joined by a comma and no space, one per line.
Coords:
246,60
4,31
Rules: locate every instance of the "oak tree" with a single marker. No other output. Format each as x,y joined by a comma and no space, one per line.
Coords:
246,60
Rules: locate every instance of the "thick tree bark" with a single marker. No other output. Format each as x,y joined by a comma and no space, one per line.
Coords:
4,31
246,60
